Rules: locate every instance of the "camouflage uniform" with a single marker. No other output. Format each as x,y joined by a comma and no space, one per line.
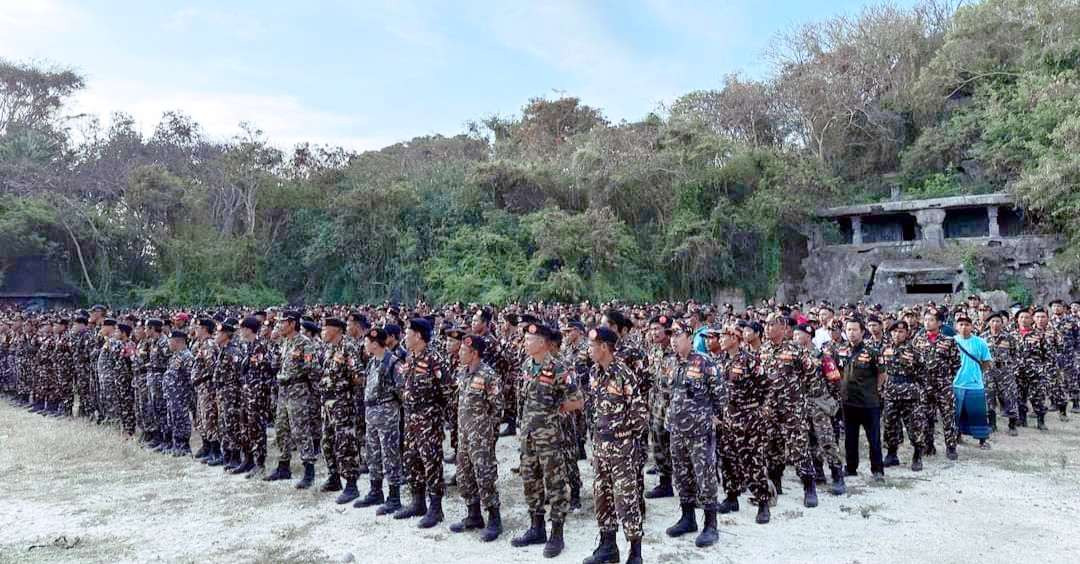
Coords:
743,427
177,387
140,366
622,415
662,370
480,399
258,377
202,379
123,352
824,404
296,425
545,386
1063,329
425,391
65,371
1032,357
157,406
337,388
84,353
383,417
941,359
1001,388
227,385
797,374
904,402
697,396
106,362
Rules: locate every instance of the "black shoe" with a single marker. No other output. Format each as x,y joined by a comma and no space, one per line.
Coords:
762,513
575,498
686,524
309,477
362,468
415,509
838,486
349,493
992,416
393,502
536,534
1013,432
730,504
776,475
203,451
709,535
652,471
916,460
950,453
374,496
929,450
510,430
474,520
1076,406
216,458
283,472
494,525
848,471
809,492
182,448
663,489
245,466
1041,425
1023,416
581,451
232,461
607,552
635,552
819,473
332,484
1063,414
434,514
258,470
891,459
555,544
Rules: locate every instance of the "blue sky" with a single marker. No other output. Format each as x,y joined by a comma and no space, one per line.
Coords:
367,74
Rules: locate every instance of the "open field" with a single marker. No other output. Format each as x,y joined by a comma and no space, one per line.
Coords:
71,491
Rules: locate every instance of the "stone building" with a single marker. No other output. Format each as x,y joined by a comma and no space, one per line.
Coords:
912,251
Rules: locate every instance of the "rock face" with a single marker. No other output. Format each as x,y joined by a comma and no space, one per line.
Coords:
953,246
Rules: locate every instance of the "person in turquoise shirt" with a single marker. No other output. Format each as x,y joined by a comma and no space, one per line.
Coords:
697,321
968,384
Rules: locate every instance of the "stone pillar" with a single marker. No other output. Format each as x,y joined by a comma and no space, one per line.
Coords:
991,215
856,230
933,231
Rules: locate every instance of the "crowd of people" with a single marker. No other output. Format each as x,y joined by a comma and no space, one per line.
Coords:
721,401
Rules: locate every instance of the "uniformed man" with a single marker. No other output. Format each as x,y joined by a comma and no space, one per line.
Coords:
228,392
1001,388
903,395
337,387
941,359
206,415
178,389
382,398
257,379
296,425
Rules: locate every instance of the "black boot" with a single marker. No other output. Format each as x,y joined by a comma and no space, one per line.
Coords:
607,552
555,544
309,477
663,489
434,514
258,470
763,513
1041,422
283,472
709,535
494,525
415,509
819,473
393,502
929,449
362,468
232,461
992,415
686,524
535,534
809,487
511,428
838,486
891,459
332,484
916,460
635,552
246,465
776,474
575,497
374,496
152,440
215,458
581,451
730,503
349,493
203,451
474,520
1063,413
1012,427
182,448
1023,412
1076,406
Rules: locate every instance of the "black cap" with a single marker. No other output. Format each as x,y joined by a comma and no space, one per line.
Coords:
528,318
82,319
392,330
334,322
251,323
155,323
124,328
575,324
476,343
805,329
178,335
291,315
454,332
110,322
543,331
378,335
310,326
208,324
421,326
604,335
227,327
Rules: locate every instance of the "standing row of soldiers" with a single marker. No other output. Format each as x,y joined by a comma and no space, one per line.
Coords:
729,405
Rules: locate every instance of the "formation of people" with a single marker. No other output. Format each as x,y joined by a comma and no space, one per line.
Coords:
720,401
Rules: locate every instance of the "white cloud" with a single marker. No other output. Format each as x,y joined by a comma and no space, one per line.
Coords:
241,25
33,22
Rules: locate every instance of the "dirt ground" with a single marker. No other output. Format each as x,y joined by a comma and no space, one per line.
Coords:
75,492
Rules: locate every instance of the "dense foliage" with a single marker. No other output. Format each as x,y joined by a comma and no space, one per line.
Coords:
558,203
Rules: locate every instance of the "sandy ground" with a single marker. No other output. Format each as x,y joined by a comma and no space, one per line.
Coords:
65,483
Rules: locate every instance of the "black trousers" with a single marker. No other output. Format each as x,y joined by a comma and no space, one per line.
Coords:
868,418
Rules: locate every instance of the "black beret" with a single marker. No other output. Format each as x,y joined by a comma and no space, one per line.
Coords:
662,320
454,332
124,328
575,324
898,325
258,313
291,315
110,322
756,327
82,319
334,322
178,335
98,307
805,329
528,318
873,319
963,318
421,326
360,319
998,314
543,331
476,343
378,335
392,330
227,327
310,326
621,321
604,335
251,323
155,323
511,318
208,324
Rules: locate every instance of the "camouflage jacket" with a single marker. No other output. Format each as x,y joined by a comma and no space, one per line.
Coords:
342,371
425,388
697,396
622,411
544,387
480,396
299,361
904,367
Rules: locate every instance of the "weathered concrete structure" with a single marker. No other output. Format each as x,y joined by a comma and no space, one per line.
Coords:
906,252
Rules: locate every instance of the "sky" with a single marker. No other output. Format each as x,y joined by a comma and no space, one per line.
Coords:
365,74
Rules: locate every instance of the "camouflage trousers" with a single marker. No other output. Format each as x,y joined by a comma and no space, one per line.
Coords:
1059,382
86,385
125,401
510,397
543,473
142,401
157,408
823,439
206,412
790,443
230,413
296,424
360,421
477,468
743,460
901,415
107,395
616,489
569,433
451,418
339,445
178,401
383,444
1001,391
940,401
66,382
256,413
693,460
661,448
1031,389
1074,377
422,459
